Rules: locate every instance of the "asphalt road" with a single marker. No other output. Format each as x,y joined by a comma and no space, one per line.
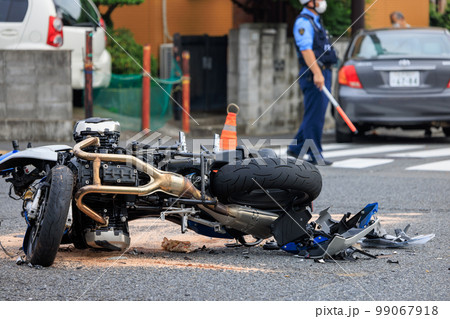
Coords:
419,198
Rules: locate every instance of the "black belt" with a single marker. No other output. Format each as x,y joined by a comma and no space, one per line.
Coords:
322,67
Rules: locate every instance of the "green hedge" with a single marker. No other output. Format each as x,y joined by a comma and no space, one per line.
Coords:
440,20
122,44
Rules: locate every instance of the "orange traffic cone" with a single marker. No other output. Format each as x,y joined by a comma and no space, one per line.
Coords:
228,139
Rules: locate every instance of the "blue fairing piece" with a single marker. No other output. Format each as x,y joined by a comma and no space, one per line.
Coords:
5,156
8,154
290,248
206,231
294,248
367,215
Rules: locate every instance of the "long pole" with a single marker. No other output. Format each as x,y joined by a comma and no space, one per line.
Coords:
88,67
186,92
146,88
339,109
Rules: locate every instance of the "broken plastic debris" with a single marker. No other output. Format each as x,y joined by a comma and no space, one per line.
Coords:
176,245
380,239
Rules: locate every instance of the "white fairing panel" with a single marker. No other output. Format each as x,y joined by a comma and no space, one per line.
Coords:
42,153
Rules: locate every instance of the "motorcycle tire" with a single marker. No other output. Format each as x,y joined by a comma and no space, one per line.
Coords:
44,239
286,180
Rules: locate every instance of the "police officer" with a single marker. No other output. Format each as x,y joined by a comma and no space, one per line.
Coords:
315,56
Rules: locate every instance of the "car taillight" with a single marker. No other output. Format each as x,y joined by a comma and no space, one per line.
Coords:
349,77
55,32
448,85
103,26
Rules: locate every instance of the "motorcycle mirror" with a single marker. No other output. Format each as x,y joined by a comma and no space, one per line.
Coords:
15,145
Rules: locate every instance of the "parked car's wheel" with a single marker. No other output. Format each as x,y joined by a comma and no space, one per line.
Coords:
46,231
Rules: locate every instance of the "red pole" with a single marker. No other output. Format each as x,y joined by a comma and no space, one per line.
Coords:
186,83
146,88
88,66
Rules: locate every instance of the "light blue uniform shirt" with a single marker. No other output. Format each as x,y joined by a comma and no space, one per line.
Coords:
305,41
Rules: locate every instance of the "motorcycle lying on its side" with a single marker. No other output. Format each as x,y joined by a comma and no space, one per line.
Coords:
87,195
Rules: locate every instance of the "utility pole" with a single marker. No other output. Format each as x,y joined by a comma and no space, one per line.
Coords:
186,85
146,87
358,7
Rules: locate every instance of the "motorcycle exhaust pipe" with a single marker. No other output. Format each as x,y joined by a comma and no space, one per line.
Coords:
245,219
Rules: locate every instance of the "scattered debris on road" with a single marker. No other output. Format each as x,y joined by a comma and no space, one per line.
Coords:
176,245
379,238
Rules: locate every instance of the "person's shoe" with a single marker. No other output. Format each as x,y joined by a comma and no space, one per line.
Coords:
320,162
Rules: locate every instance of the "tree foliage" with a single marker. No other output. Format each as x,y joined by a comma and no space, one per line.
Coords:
439,19
112,5
121,61
337,18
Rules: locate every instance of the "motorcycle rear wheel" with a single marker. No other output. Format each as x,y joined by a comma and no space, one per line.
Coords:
285,180
46,232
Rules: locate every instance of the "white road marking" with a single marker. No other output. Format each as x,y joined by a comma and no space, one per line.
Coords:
359,163
370,150
280,151
335,146
326,147
425,154
436,166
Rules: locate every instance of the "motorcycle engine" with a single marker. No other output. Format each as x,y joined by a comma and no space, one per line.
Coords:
107,130
116,235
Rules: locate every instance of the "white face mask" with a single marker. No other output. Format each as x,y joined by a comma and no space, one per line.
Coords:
322,7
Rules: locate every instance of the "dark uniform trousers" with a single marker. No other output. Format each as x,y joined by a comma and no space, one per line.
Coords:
315,104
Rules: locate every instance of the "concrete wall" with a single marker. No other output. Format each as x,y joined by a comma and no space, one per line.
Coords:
35,95
262,65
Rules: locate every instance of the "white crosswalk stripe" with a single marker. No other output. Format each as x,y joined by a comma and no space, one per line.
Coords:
335,146
436,166
370,150
440,152
353,156
361,162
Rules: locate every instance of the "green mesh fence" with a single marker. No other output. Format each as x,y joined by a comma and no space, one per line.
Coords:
122,100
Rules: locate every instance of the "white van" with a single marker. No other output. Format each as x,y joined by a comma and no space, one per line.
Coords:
57,24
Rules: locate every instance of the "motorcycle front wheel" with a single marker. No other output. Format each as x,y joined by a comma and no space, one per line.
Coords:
46,231
249,182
